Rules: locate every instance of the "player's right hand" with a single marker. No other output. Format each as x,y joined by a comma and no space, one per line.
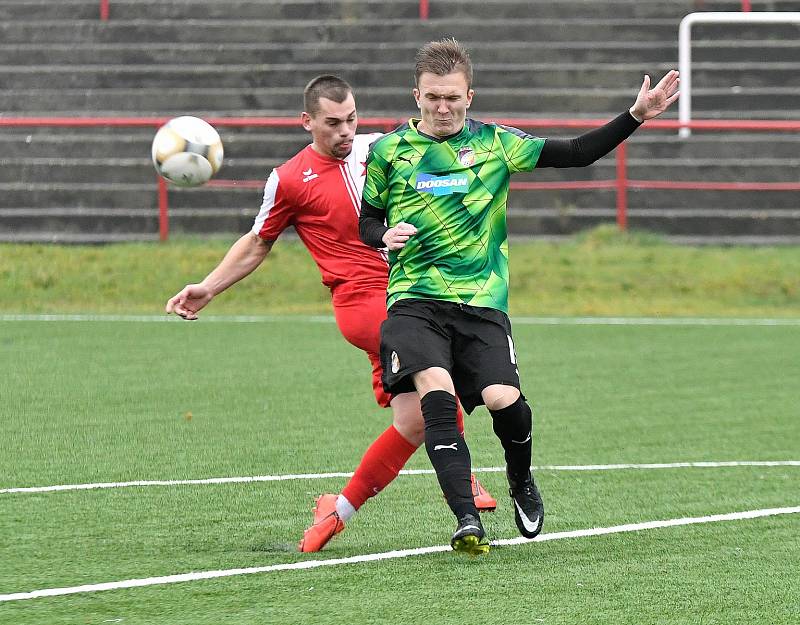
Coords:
397,236
189,301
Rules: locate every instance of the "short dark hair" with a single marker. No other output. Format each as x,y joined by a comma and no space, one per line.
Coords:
443,57
326,86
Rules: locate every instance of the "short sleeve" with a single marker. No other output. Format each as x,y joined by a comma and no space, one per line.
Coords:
521,150
276,211
376,185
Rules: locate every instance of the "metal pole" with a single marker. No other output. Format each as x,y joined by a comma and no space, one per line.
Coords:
685,48
622,187
685,71
163,210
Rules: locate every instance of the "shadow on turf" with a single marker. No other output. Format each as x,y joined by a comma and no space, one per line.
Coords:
274,547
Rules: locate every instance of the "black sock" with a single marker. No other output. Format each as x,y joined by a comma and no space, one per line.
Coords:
448,451
513,426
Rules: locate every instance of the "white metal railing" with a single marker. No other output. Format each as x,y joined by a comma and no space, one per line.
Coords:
685,48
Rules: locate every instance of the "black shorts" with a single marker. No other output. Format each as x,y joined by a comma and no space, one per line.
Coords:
473,344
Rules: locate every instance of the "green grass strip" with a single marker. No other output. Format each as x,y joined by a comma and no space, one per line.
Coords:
600,273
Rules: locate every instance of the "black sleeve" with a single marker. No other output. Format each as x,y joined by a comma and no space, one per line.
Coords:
372,225
590,146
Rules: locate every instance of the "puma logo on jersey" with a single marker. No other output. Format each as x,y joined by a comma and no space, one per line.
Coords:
309,175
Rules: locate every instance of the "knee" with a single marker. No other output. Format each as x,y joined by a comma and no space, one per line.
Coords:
499,396
439,411
433,379
408,418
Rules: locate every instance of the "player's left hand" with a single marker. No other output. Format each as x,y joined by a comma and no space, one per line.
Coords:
651,103
396,238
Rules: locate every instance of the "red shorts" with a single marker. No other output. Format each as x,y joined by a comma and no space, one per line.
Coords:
359,315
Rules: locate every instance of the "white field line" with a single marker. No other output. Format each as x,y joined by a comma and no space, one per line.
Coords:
323,476
593,321
389,555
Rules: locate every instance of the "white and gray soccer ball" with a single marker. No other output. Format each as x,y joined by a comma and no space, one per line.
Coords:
187,151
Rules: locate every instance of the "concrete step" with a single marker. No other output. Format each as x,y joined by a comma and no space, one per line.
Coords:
103,225
140,170
364,75
756,146
370,75
365,30
409,9
89,222
45,236
18,144
144,195
640,198
125,195
24,10
278,144
116,170
254,53
214,32
744,228
743,102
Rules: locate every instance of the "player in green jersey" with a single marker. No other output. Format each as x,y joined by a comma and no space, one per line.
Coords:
435,196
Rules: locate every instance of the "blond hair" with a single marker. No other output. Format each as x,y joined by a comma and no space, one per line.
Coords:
443,57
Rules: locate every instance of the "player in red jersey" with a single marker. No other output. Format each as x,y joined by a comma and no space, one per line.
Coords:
318,192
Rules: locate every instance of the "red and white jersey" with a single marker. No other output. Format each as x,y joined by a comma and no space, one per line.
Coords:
320,197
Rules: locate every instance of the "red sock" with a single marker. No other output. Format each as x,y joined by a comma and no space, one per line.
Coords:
379,466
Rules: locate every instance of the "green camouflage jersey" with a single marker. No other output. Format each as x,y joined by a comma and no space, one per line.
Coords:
454,192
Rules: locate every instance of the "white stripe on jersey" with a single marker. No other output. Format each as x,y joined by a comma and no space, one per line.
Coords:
350,186
356,159
270,189
354,162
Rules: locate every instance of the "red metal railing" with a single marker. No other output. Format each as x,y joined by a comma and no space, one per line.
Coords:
620,183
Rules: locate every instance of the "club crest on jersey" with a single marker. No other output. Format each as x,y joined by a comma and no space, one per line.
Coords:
466,156
442,185
309,175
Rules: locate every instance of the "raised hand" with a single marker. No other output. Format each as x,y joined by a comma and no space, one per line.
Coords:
651,103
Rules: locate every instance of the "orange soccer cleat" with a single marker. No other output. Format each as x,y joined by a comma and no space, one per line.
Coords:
484,502
325,526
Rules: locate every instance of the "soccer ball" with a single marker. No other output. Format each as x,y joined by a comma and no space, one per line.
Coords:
187,151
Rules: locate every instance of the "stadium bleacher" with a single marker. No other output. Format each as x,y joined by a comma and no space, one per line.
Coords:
564,59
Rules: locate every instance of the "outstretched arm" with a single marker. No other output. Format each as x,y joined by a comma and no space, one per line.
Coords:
587,148
241,260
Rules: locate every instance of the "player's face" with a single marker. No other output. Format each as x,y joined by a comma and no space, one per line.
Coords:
443,102
333,127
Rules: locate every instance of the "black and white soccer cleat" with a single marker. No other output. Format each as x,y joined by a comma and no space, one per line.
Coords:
528,506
